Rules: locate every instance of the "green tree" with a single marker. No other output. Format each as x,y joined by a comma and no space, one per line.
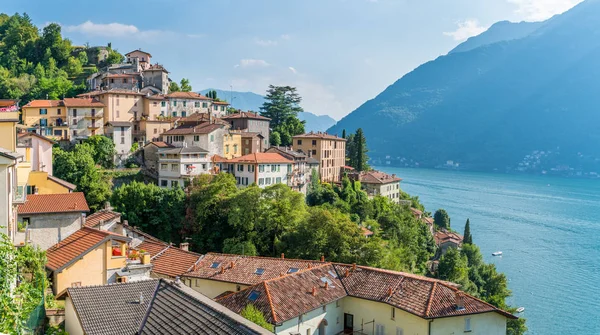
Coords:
454,267
343,133
212,94
82,57
74,67
282,105
114,57
158,211
185,85
78,167
275,138
467,237
103,150
441,219
359,156
174,87
255,315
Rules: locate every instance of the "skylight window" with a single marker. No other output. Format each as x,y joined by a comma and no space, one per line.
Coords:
292,270
332,274
253,295
259,271
215,265
327,280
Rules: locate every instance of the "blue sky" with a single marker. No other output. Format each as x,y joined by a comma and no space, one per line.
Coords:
338,53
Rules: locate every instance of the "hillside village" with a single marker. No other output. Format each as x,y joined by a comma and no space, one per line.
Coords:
111,277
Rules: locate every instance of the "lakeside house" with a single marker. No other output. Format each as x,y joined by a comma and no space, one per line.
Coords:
328,150
377,183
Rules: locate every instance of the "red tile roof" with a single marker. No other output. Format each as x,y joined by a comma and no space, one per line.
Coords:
261,157
377,177
138,50
443,236
202,128
103,215
120,75
77,245
160,144
186,95
283,298
82,102
44,103
319,135
8,102
111,91
366,232
168,260
244,268
246,115
54,203
220,103
416,212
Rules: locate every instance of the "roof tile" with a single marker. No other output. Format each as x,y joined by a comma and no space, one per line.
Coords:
54,203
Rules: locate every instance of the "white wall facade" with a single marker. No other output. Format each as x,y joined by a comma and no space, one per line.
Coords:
311,323
72,325
490,323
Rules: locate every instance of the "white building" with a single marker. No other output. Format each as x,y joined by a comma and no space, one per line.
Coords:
120,132
85,117
183,104
206,135
177,166
264,169
379,183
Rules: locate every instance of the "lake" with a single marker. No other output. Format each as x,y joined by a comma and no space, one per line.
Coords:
547,229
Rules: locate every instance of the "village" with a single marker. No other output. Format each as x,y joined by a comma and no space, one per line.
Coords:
110,277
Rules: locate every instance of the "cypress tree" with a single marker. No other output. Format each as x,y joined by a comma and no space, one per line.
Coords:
468,238
344,133
360,151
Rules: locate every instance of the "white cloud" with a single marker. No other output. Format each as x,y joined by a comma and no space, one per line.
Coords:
538,10
246,63
111,30
294,71
265,43
285,37
466,29
195,35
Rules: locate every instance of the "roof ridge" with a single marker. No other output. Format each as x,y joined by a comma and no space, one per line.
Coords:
297,272
270,301
195,263
497,309
161,252
395,289
431,294
404,274
266,257
149,308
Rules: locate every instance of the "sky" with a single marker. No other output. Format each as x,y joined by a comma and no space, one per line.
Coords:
338,53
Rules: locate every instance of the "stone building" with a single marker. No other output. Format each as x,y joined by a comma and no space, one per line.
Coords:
252,123
329,150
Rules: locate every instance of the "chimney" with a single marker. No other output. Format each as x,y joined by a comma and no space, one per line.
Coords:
390,291
107,206
347,274
195,268
178,280
101,224
314,291
327,285
141,298
282,255
322,258
459,301
222,270
184,246
353,266
231,265
309,266
126,223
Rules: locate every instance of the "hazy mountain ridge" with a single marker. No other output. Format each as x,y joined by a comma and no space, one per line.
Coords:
493,106
249,101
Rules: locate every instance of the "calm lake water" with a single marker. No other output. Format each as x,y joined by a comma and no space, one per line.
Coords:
547,228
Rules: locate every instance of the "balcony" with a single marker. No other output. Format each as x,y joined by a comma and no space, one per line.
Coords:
93,117
93,127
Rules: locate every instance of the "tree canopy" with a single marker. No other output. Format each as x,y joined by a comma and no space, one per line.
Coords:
282,105
441,219
356,150
467,237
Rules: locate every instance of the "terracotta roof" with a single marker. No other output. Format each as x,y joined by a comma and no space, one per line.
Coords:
82,102
54,203
111,91
160,144
447,236
251,134
156,67
416,212
261,157
424,297
76,245
219,159
246,115
220,103
202,128
319,135
366,232
168,260
186,95
8,102
64,183
102,215
377,177
44,103
283,298
244,268
138,50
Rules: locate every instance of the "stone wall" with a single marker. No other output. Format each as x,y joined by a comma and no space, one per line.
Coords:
45,230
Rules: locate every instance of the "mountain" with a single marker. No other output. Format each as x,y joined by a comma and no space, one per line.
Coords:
498,32
252,101
525,104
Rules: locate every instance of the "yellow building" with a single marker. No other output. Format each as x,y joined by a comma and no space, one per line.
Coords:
329,150
47,118
120,105
87,257
40,182
154,121
232,144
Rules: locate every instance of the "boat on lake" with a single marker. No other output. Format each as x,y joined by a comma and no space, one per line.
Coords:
497,253
520,309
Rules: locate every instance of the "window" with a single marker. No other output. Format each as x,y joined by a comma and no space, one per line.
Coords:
240,167
246,142
117,101
278,180
251,168
314,142
253,295
76,284
467,324
273,168
185,104
74,112
58,111
204,166
122,140
112,81
163,166
183,114
337,305
222,108
261,168
324,308
163,183
292,270
74,132
174,183
261,181
155,131
124,80
174,114
268,181
299,142
379,329
174,103
227,150
393,313
204,104
235,148
163,104
212,137
173,167
215,265
74,122
259,271
43,111
196,104
118,113
314,152
196,138
215,107
399,331
337,318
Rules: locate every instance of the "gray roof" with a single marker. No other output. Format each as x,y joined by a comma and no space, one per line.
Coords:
182,150
167,308
312,160
9,154
119,124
